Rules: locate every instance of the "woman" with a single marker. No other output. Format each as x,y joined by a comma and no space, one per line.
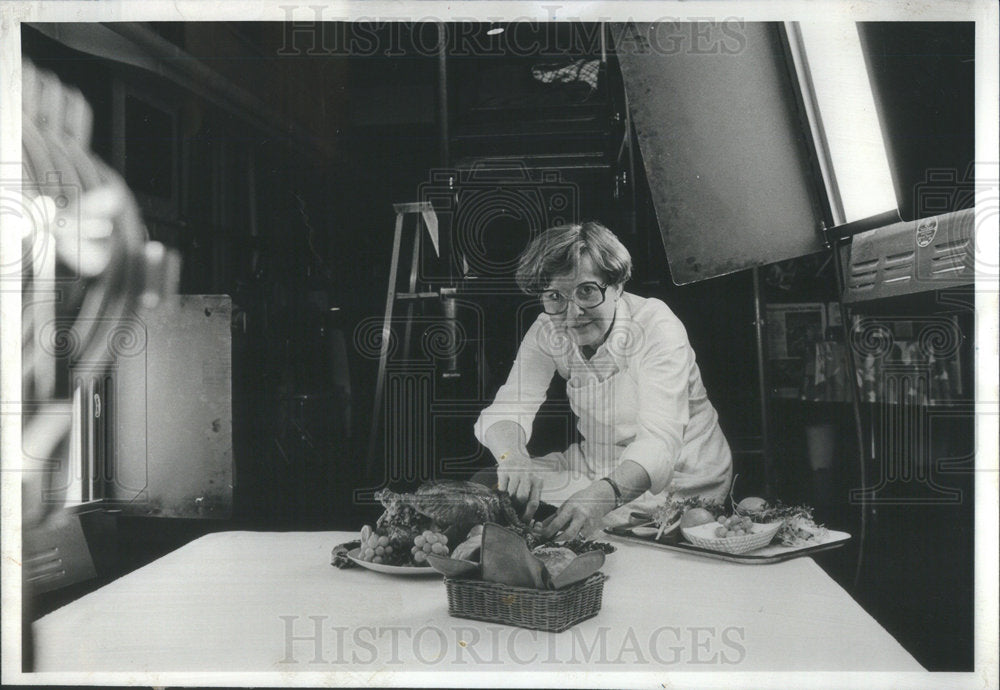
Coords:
644,416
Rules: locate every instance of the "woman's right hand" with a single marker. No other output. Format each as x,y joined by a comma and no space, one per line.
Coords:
518,475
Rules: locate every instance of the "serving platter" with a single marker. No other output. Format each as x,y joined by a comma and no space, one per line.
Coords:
647,531
411,570
772,553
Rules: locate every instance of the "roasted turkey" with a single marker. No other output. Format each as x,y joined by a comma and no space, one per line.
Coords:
455,506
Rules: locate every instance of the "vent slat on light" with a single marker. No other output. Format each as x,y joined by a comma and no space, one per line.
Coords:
46,568
45,555
952,246
46,576
947,269
910,257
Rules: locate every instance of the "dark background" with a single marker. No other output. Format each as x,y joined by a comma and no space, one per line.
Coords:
321,235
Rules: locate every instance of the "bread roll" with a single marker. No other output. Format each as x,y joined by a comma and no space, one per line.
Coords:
555,558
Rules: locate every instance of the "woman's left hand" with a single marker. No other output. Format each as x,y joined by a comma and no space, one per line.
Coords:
581,513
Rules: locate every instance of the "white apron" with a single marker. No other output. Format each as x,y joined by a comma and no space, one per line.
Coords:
608,411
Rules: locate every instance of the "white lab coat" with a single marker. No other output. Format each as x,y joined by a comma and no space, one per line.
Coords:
640,397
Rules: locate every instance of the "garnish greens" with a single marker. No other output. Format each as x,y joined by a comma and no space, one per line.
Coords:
798,526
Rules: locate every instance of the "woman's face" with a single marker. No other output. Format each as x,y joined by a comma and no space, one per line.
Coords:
586,326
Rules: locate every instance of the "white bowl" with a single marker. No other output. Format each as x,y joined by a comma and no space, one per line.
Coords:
703,536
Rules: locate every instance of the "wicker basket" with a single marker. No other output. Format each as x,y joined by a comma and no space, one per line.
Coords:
761,537
552,610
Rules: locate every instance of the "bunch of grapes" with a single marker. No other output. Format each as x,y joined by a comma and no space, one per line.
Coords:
733,526
375,548
428,542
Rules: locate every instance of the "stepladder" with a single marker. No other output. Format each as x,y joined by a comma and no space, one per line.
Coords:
424,219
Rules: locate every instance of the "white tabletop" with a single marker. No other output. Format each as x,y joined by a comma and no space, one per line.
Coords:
271,601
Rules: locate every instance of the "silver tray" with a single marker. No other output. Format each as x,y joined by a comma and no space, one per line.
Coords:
772,553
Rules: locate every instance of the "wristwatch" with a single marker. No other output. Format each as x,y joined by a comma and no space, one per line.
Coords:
619,499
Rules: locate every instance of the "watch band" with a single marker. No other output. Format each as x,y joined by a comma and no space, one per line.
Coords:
619,500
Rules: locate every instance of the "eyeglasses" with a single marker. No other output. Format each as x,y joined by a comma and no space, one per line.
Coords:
585,295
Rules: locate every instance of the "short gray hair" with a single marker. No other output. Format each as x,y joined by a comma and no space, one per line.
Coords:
557,251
